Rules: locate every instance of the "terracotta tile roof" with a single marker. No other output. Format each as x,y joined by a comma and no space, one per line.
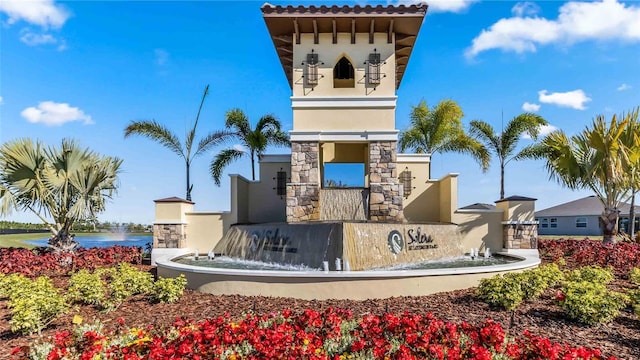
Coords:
403,21
174,199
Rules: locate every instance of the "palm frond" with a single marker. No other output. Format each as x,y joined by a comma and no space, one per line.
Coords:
236,120
224,158
155,131
212,139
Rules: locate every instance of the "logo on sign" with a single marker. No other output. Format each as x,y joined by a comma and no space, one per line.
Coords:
395,241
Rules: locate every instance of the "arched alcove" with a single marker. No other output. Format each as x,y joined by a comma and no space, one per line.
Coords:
343,74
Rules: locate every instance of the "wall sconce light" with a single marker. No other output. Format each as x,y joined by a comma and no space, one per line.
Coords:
311,69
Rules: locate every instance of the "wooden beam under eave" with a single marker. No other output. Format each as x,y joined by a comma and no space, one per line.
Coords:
371,30
335,31
315,31
296,30
353,31
390,32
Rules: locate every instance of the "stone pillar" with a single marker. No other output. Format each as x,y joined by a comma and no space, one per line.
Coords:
520,230
169,236
385,191
170,225
304,188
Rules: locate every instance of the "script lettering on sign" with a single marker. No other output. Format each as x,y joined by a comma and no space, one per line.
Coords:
419,241
271,240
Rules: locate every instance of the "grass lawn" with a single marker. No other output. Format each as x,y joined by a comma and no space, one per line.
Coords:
19,240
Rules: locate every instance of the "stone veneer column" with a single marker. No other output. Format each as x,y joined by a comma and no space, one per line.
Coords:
385,191
304,188
169,235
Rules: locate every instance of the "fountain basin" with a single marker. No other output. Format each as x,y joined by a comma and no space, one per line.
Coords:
354,285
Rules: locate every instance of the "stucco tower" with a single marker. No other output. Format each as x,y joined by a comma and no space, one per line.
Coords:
344,65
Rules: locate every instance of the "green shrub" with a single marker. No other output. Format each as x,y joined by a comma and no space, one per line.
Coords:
634,296
35,306
170,289
594,274
12,285
86,288
535,281
591,302
502,290
634,276
126,281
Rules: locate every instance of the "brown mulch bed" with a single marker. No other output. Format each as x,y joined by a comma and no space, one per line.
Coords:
542,317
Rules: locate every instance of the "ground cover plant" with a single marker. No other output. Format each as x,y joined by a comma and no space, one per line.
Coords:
538,324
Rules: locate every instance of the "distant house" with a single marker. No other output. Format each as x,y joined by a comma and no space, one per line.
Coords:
579,217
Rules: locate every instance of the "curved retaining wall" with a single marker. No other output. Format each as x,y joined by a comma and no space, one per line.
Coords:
354,285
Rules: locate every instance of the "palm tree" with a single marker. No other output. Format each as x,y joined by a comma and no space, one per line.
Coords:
161,134
68,184
503,144
267,132
440,130
631,140
593,159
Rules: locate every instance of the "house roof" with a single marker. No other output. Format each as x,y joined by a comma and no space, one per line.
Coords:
516,198
173,199
479,206
587,206
285,22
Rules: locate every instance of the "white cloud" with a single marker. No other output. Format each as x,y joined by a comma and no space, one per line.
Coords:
44,13
543,130
1,100
54,114
574,99
577,21
623,87
530,107
455,6
162,56
525,9
33,39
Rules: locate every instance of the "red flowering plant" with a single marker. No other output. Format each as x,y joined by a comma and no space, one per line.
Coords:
330,335
621,256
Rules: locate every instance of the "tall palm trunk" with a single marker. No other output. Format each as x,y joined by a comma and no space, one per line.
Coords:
188,181
501,180
253,166
632,214
609,220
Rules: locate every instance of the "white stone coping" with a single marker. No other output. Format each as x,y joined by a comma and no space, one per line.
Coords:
347,135
528,259
243,178
520,222
169,223
166,254
329,102
275,158
413,158
453,175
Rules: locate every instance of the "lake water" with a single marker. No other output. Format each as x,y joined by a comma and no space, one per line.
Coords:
104,240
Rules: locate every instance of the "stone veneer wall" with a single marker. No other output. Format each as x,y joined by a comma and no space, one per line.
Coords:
169,235
303,191
520,236
385,197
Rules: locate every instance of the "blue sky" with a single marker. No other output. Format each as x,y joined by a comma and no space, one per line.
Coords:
85,69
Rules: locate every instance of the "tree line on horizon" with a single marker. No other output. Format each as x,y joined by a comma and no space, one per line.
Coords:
70,184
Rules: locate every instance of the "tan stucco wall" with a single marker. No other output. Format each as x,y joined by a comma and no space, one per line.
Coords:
422,204
517,210
336,288
480,229
344,152
172,212
330,54
205,230
264,204
354,119
239,200
448,197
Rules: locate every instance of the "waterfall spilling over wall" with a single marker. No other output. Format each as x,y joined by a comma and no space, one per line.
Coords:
363,245
344,204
